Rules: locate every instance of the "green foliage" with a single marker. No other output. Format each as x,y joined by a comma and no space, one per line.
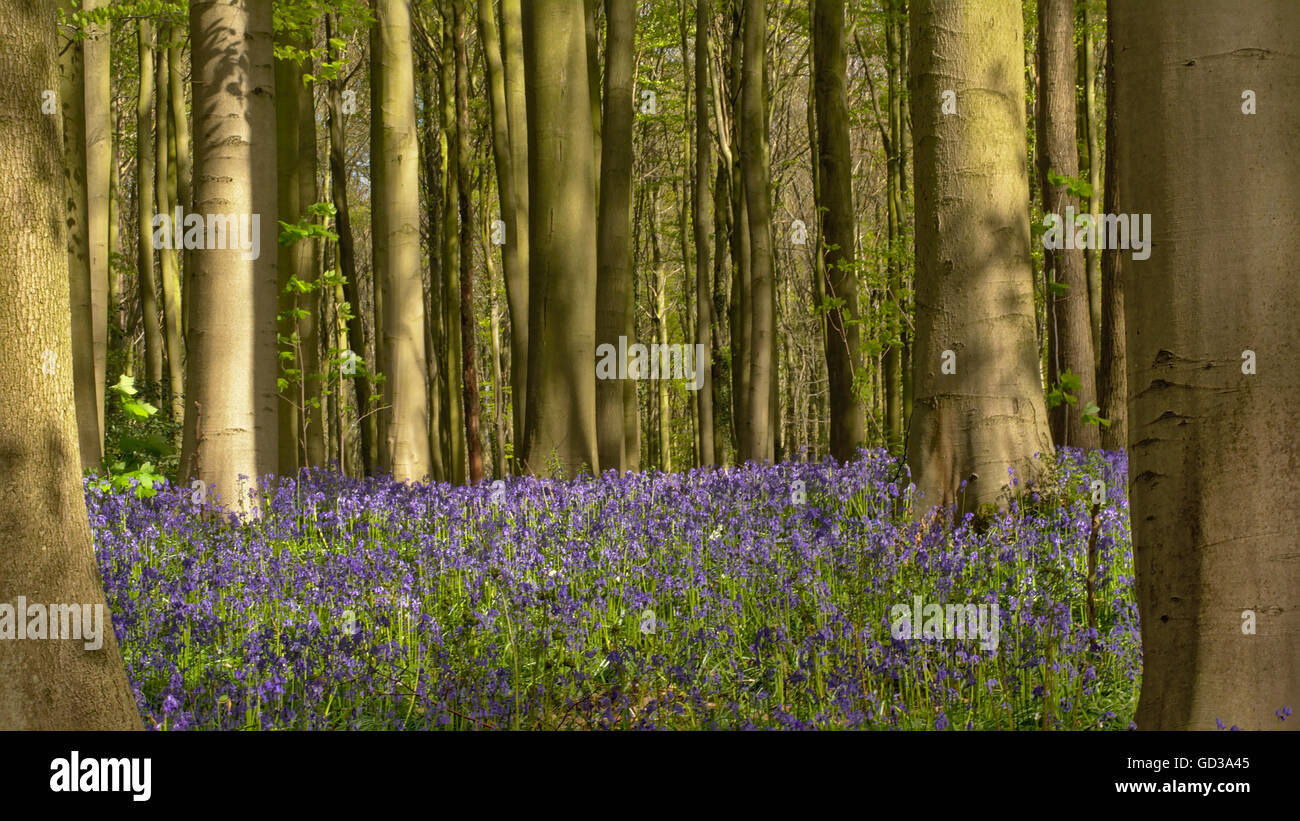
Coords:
139,447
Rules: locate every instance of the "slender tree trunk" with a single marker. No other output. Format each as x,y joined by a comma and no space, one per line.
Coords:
1092,256
453,357
895,350
979,402
762,378
1058,153
614,234
560,426
512,49
703,219
230,415
431,161
1112,381
469,367
1211,344
99,167
302,440
46,554
171,281
72,96
397,242
836,175
347,250
144,199
515,266
183,168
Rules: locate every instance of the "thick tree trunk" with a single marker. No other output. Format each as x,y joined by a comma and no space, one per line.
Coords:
230,414
835,177
614,234
979,401
1212,347
398,268
46,553
1058,153
560,426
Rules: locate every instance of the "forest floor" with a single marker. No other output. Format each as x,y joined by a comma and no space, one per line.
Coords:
773,597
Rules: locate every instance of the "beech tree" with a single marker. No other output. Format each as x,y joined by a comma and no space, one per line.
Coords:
231,419
560,428
979,405
45,545
1070,326
836,190
1211,346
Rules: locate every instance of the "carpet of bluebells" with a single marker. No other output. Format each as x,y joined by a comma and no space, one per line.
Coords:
725,599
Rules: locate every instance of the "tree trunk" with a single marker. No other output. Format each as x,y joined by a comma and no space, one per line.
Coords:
99,167
171,281
753,157
46,553
230,414
514,265
1092,257
560,426
183,168
1211,343
614,234
895,349
347,251
1058,153
512,49
1112,380
398,267
453,358
144,200
836,176
974,287
72,95
703,216
469,367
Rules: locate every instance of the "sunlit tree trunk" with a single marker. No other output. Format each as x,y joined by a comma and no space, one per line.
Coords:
979,402
230,415
560,426
407,433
